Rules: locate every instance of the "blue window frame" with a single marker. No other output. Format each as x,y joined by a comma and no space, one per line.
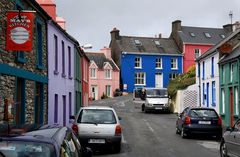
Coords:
56,54
70,103
39,44
213,94
56,108
63,59
212,67
207,96
203,70
203,93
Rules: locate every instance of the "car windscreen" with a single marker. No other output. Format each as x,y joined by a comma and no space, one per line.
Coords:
22,148
203,113
156,93
97,116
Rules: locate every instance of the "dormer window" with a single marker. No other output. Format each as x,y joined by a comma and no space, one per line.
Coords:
207,35
157,43
137,42
222,36
192,34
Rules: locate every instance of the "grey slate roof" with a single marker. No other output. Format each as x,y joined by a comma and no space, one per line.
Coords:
100,59
233,55
167,46
200,37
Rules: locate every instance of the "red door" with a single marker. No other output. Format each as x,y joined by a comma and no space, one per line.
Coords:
231,108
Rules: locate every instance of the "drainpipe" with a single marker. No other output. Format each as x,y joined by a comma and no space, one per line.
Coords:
199,81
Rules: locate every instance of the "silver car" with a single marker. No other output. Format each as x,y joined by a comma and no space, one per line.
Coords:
98,126
230,143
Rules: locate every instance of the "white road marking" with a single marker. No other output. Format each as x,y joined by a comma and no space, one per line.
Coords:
209,144
123,139
149,126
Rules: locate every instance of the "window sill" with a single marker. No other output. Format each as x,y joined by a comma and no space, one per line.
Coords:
21,60
70,77
174,68
138,67
222,114
64,75
212,76
159,68
108,78
235,116
55,72
140,84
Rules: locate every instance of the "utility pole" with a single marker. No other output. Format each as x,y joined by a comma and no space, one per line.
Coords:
231,16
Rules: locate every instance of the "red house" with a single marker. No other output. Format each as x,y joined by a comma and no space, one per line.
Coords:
194,41
85,62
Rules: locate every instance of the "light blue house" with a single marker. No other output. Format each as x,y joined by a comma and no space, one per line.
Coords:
144,61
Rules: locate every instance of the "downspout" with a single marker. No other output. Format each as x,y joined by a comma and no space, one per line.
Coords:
199,81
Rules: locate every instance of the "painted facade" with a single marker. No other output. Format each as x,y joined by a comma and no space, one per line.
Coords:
152,75
85,62
61,73
23,75
103,74
195,41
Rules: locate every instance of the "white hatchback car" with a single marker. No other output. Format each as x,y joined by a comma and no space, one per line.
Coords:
98,125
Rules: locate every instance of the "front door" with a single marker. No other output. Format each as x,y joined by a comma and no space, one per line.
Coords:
94,93
158,80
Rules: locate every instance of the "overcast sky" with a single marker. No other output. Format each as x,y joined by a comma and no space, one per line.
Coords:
90,21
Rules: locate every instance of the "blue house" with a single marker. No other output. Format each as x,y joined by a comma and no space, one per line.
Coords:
145,61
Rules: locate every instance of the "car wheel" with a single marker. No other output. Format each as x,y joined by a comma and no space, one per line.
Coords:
177,130
183,133
223,149
143,107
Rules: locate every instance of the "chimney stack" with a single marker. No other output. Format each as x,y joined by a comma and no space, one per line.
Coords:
228,28
176,26
115,34
49,6
61,22
107,52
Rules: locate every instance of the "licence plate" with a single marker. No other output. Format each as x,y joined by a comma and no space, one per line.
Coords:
96,141
204,122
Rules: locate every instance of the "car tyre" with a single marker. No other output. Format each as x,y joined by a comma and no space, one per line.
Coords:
183,133
223,149
177,130
143,107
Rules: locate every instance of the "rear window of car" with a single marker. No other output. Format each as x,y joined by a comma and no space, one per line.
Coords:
203,113
97,116
22,148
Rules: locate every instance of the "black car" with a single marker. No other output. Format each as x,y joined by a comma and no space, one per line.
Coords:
230,143
198,120
48,141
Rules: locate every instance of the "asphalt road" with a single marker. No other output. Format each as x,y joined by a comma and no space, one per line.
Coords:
153,134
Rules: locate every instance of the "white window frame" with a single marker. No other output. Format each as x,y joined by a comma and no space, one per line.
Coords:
108,73
223,101
158,63
93,73
140,77
199,53
108,90
138,62
174,61
236,101
231,72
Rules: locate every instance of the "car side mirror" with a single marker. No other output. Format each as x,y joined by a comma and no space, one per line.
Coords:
87,152
229,129
119,118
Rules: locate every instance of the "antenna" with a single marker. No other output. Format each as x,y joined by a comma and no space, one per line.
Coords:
231,16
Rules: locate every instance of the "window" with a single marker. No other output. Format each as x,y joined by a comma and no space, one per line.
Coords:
203,70
39,45
108,90
138,62
199,71
207,35
213,94
56,54
203,94
69,62
64,110
63,59
108,73
56,108
140,78
174,63
158,63
212,67
197,53
223,101
93,72
137,42
192,34
236,101
157,43
39,96
173,76
223,74
70,103
231,72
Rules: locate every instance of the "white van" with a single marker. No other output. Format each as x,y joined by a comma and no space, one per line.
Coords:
156,99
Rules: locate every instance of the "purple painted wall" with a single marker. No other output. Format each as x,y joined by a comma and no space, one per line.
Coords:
61,75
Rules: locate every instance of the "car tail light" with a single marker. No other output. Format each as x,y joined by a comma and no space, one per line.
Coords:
219,121
75,128
187,120
118,130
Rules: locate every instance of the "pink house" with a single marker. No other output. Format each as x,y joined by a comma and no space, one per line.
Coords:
103,74
195,41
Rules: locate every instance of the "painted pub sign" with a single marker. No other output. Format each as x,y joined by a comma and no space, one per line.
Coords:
19,35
